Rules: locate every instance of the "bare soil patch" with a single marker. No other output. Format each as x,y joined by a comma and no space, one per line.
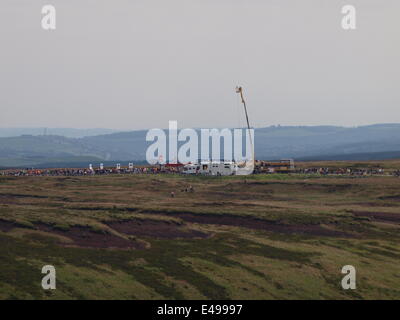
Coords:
18,195
87,238
393,197
6,226
379,216
258,224
156,229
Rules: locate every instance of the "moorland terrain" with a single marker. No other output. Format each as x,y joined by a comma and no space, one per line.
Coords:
272,236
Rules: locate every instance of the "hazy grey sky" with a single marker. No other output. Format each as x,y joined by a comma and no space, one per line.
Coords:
130,64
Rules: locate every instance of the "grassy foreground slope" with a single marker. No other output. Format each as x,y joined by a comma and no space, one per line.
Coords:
256,237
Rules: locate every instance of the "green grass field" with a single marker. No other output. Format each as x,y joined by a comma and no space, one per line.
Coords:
254,237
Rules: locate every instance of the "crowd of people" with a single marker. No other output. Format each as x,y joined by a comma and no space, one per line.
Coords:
158,169
343,171
77,172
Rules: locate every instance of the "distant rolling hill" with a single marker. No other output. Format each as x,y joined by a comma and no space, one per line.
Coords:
299,142
65,132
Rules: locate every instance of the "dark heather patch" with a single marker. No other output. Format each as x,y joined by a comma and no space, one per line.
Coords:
379,216
156,229
259,224
87,238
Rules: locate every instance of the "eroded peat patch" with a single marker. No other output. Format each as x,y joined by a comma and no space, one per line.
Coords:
379,216
156,229
258,224
88,238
